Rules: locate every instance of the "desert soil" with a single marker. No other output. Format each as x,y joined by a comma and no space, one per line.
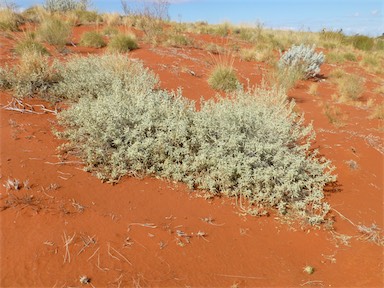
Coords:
66,224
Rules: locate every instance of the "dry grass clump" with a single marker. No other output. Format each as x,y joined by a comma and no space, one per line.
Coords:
334,115
378,112
373,62
33,76
86,17
92,39
254,54
332,39
178,40
350,87
110,31
123,43
9,20
313,89
223,76
29,43
215,49
362,42
54,31
111,19
35,14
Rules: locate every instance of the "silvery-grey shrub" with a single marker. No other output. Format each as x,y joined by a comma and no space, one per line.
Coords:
252,144
65,5
303,58
92,76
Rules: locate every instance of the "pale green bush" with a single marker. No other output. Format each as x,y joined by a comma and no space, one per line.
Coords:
89,77
252,144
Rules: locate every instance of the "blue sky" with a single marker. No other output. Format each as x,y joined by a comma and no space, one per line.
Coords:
353,16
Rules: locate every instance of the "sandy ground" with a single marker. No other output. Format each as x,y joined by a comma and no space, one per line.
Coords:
64,223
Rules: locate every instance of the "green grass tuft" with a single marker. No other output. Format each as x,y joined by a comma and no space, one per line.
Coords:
92,39
123,43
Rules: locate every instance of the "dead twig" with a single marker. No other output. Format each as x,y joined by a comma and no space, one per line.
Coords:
121,255
67,241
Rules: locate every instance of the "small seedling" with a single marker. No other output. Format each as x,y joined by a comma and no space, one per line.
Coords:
309,270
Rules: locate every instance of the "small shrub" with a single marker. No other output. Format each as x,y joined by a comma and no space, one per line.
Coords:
54,31
362,42
65,5
122,43
92,39
223,78
302,58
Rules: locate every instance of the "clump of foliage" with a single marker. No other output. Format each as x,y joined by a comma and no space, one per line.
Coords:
86,17
178,40
54,31
89,77
33,76
92,39
362,42
223,77
9,20
123,43
252,144
302,58
350,87
110,31
65,5
29,43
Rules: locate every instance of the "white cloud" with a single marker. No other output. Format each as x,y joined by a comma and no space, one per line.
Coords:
357,14
375,12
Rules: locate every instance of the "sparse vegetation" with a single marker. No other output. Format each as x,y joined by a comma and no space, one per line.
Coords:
28,43
122,43
32,76
9,20
362,42
378,112
92,39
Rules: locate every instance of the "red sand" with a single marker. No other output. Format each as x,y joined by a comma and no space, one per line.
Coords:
129,234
